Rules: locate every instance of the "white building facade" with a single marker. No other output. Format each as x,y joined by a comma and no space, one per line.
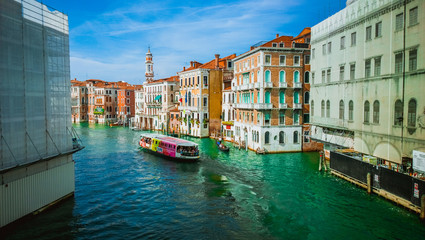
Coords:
368,74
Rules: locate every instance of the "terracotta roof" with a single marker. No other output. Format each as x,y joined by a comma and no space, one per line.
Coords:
304,32
169,79
287,40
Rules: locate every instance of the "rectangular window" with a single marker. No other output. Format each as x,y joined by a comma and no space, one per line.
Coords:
398,62
282,60
268,60
399,22
352,71
306,118
306,134
205,101
329,47
324,49
205,80
306,59
413,57
282,118
281,45
341,73
323,76
258,60
274,44
378,29
328,75
353,39
296,118
267,119
313,52
342,43
377,66
296,60
413,16
368,33
367,67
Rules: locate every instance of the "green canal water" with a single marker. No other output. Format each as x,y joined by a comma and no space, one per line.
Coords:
124,193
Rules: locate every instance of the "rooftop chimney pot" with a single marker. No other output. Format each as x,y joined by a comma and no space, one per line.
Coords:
277,35
217,57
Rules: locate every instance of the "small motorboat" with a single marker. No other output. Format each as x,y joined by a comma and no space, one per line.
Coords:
222,147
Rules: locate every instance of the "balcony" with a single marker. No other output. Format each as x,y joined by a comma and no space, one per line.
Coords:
297,85
244,105
283,84
234,88
243,87
263,105
283,105
257,85
297,105
268,85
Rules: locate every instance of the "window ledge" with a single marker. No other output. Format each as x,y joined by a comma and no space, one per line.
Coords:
413,25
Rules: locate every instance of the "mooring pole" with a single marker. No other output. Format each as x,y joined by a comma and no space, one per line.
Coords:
422,216
369,187
324,163
320,161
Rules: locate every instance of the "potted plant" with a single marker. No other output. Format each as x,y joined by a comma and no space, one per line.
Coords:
197,121
191,121
206,120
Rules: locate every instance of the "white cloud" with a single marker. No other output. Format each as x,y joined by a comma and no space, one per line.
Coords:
113,46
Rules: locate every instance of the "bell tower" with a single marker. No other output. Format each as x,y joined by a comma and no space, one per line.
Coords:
149,66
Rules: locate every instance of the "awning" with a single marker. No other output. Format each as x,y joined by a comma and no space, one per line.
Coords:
157,97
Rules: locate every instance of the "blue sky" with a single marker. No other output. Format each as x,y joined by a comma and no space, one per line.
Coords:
109,39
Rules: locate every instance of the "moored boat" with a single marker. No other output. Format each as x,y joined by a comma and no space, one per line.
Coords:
174,148
222,147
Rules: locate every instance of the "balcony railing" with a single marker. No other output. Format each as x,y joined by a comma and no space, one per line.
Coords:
283,105
257,85
283,84
297,85
244,105
263,105
268,85
243,87
297,106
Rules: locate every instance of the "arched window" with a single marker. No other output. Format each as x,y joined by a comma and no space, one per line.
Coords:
306,97
190,98
312,108
171,97
323,109
398,113
296,76
258,75
411,113
267,77
328,109
296,97
282,97
258,136
267,97
341,109
350,110
307,77
296,137
376,111
258,118
281,137
267,138
366,111
282,76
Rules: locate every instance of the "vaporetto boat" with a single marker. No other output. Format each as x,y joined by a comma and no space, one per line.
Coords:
170,147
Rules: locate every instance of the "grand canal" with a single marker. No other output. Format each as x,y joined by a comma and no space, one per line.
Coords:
123,193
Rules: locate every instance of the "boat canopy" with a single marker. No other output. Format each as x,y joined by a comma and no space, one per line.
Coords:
177,141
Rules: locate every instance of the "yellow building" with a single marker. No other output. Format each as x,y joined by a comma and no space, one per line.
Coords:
200,96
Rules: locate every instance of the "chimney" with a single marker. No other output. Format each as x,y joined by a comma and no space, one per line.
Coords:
191,63
217,57
277,35
184,68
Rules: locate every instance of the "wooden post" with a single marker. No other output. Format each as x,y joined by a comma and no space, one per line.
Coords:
369,183
320,161
324,163
422,216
